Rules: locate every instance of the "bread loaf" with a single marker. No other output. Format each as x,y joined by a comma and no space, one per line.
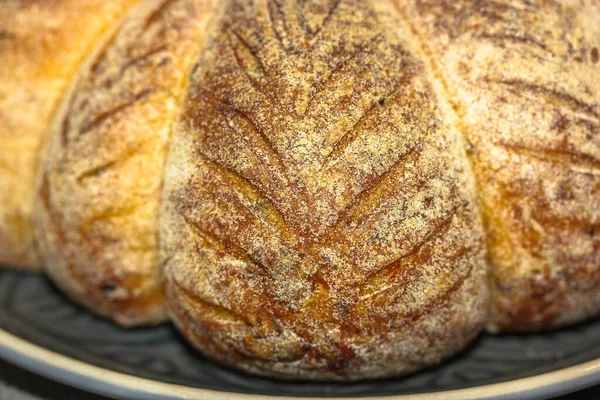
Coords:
318,217
524,78
101,175
319,189
41,46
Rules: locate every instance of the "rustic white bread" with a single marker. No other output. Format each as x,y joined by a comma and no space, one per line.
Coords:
524,79
328,189
318,217
101,174
38,57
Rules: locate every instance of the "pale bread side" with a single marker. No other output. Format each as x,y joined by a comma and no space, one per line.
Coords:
101,175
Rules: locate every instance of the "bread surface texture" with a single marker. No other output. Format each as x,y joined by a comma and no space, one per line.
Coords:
524,78
38,57
318,218
307,189
100,179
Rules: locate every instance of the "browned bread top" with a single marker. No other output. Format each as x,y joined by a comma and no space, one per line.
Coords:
318,216
335,169
38,57
101,175
524,78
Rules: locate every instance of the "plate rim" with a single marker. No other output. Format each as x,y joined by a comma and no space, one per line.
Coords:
111,383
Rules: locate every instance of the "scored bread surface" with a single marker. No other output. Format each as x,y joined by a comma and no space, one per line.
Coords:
524,78
321,187
38,57
318,217
100,180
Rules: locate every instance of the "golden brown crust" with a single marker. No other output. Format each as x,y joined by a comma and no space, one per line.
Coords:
101,175
318,220
523,76
319,216
38,56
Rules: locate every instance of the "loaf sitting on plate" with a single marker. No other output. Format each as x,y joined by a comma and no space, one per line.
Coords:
317,189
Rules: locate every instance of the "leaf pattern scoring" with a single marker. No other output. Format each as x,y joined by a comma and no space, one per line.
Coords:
316,209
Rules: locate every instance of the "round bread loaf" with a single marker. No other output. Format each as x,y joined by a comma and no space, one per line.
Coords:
38,58
101,174
524,78
319,215
315,189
